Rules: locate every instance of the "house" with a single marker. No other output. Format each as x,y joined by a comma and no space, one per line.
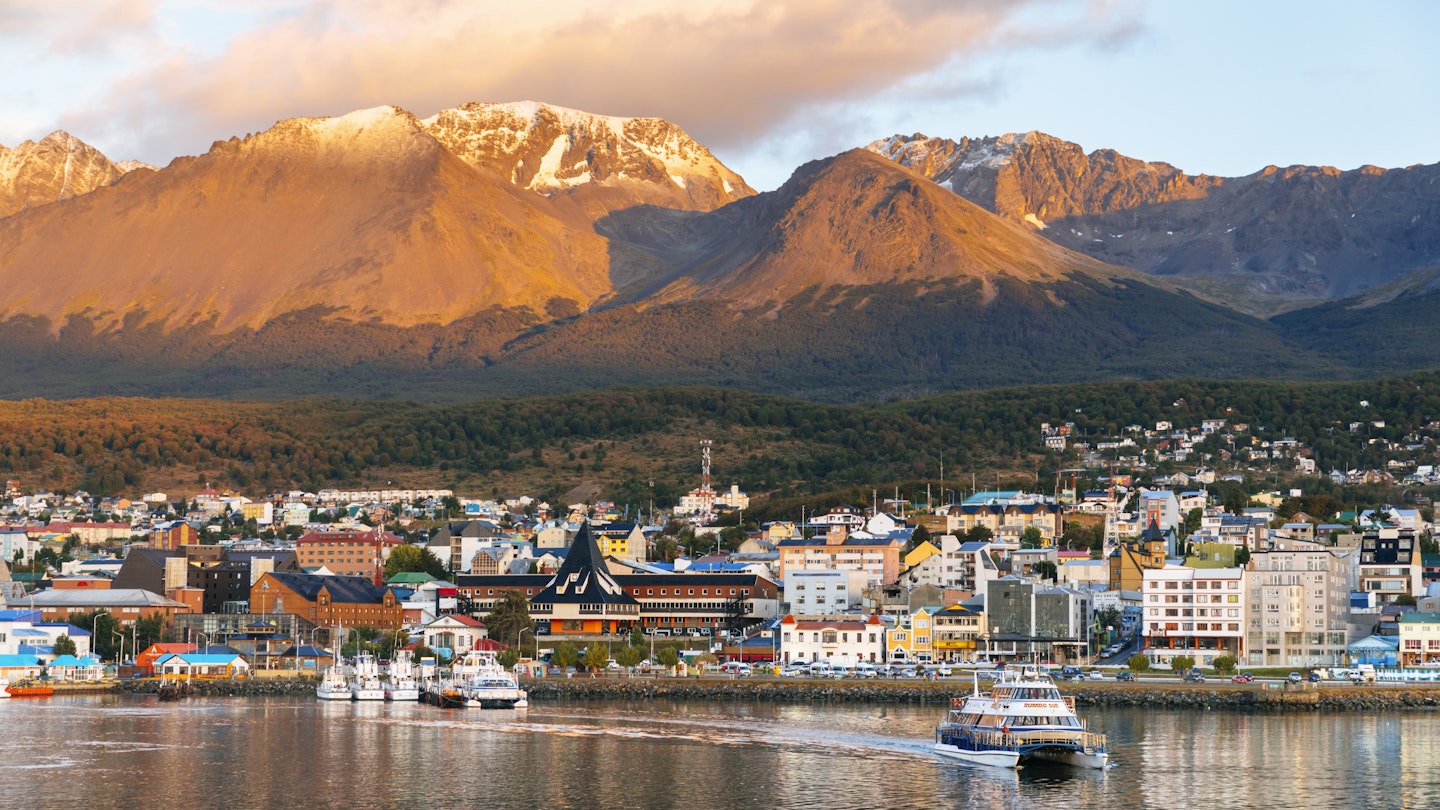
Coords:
185,666
71,668
14,667
1390,564
836,640
912,638
455,635
957,631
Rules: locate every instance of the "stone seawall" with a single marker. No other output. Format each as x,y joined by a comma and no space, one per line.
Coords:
1229,698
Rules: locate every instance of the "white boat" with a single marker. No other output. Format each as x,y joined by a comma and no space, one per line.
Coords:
365,681
334,686
402,685
4,682
483,683
1022,716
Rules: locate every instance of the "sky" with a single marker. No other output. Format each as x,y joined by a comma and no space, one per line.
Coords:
1216,87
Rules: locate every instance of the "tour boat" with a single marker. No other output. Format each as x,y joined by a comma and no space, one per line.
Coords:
365,681
402,685
333,685
485,684
1023,716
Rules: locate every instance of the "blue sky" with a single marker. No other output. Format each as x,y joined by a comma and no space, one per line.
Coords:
1212,87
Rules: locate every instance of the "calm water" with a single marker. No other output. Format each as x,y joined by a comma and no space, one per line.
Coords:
129,751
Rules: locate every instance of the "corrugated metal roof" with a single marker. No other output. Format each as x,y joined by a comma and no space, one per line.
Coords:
111,597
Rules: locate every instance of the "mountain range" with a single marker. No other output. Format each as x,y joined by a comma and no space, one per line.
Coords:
522,247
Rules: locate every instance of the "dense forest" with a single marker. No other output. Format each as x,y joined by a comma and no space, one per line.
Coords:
637,446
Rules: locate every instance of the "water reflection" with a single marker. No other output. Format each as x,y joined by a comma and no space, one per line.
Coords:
123,751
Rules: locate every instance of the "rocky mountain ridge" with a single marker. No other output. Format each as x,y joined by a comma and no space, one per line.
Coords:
1261,243
57,167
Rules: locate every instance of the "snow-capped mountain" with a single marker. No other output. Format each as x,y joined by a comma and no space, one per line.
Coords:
57,167
554,150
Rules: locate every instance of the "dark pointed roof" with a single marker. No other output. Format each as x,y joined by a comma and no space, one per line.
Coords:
582,578
1152,533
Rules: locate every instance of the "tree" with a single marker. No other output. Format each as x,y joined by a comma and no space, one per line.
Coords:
596,656
1045,570
1242,556
508,618
565,655
149,630
508,657
629,656
667,657
1181,663
1405,599
64,645
1224,664
663,549
104,643
408,558
1139,662
637,636
1031,538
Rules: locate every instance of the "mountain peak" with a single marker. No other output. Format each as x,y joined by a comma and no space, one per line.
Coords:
57,167
556,150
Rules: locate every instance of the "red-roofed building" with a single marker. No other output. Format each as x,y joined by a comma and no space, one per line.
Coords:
145,661
459,634
841,640
348,553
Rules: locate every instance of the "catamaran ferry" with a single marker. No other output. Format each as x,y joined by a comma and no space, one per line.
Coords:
1022,716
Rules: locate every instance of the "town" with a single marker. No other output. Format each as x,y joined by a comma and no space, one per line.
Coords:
1150,569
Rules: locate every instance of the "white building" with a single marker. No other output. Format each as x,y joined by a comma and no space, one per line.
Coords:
967,566
1298,607
1199,612
835,640
823,593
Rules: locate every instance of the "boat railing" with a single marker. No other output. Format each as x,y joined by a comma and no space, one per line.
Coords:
1002,739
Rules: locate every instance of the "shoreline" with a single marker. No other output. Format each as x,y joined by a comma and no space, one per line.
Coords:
1340,698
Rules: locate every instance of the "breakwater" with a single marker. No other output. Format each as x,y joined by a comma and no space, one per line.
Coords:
934,693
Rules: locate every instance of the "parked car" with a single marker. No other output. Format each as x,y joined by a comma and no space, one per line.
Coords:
1313,677
908,672
1194,676
1243,677
1293,677
1124,675
1096,675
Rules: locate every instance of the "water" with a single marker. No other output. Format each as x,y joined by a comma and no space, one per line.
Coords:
130,751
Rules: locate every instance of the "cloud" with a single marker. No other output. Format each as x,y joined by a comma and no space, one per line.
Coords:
733,74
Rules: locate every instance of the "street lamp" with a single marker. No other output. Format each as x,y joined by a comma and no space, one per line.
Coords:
531,630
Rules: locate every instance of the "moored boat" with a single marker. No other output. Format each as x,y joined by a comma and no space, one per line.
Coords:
1022,716
29,687
484,684
365,679
333,685
402,685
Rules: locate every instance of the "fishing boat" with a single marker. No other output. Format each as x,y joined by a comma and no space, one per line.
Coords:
402,685
365,678
1022,716
485,684
333,686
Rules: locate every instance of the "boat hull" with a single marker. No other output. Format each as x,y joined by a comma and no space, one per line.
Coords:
332,694
367,694
1078,759
403,695
998,759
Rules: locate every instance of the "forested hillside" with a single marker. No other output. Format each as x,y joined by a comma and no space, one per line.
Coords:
618,441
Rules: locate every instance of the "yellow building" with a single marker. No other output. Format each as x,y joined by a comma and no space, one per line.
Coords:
920,554
956,633
912,640
1419,639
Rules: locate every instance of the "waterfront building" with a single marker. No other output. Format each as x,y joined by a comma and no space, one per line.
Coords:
1199,612
912,638
583,597
1298,608
453,636
125,605
1419,639
838,640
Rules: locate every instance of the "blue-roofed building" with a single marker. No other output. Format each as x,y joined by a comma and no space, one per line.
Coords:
73,668
15,666
202,665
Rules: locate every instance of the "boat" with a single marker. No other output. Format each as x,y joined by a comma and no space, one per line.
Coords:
333,686
402,685
1022,716
484,684
443,692
173,689
29,687
365,678
4,688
